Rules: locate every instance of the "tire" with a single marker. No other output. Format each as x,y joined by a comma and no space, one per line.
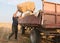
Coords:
22,30
35,36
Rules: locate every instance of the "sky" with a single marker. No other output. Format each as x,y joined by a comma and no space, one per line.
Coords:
8,7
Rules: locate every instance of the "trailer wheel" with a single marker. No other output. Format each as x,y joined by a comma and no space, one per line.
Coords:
35,36
22,30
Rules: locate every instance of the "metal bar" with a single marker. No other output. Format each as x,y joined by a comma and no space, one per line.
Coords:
55,14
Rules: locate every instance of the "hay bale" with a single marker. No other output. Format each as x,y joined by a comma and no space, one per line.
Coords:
23,7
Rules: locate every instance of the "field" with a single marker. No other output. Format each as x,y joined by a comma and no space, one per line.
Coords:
5,30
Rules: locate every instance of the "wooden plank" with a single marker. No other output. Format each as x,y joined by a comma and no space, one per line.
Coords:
49,7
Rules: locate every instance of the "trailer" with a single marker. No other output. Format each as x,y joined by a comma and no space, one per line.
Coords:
47,22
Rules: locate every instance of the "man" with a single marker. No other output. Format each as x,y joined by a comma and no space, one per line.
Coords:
14,25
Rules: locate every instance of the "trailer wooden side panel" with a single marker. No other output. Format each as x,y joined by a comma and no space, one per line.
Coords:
58,19
49,19
49,7
58,9
51,15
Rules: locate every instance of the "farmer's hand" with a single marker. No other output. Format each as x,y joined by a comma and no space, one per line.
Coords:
15,14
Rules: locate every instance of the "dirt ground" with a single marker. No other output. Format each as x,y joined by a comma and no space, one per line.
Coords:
5,30
4,33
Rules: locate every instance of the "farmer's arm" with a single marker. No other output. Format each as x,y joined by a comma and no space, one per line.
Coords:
15,14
